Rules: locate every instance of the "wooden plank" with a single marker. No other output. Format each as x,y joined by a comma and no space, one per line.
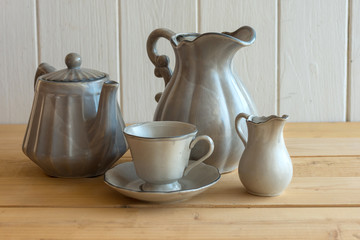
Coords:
43,191
326,166
138,19
323,146
302,192
88,27
196,223
255,65
354,55
18,59
20,166
291,130
322,130
313,51
302,147
12,139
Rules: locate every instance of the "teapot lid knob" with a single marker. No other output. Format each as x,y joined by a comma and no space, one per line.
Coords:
73,73
73,60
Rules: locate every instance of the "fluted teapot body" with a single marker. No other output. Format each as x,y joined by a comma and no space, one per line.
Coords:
75,126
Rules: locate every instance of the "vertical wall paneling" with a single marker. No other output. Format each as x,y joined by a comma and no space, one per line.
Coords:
256,64
313,51
138,19
88,27
354,98
305,61
17,59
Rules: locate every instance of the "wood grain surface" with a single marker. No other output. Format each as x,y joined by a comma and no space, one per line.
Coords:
190,223
322,201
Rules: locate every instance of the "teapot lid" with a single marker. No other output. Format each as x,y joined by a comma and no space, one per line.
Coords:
73,73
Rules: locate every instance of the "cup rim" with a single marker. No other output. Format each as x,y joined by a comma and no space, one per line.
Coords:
192,129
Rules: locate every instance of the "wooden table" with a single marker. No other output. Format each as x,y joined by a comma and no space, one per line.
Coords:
322,201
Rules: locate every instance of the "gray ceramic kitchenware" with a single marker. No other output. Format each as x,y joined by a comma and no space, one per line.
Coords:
265,167
75,126
161,151
203,90
124,180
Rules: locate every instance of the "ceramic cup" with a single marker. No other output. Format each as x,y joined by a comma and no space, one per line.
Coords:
161,151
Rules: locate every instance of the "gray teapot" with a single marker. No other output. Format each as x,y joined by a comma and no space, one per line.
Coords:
75,127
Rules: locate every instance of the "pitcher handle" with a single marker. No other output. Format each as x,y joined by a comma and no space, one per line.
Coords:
203,158
238,130
161,62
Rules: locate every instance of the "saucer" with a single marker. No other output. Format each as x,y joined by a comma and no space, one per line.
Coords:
123,179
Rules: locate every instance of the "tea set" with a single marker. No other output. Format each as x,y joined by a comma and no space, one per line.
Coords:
76,128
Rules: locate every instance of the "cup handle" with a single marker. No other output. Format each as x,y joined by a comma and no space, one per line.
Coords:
203,158
237,128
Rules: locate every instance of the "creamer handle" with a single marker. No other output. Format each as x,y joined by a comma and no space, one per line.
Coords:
237,127
161,62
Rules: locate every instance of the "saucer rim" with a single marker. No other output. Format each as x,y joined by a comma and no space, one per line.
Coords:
161,192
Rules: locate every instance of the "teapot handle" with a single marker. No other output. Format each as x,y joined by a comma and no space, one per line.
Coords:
161,62
42,69
239,132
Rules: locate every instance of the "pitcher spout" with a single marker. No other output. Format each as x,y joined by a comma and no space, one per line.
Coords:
213,45
245,35
265,119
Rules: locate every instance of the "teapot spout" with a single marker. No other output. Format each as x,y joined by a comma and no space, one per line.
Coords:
106,131
109,124
108,110
42,69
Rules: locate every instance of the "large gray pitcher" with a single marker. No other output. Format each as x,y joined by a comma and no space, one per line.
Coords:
203,90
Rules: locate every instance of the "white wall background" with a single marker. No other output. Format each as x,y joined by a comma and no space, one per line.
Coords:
305,62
